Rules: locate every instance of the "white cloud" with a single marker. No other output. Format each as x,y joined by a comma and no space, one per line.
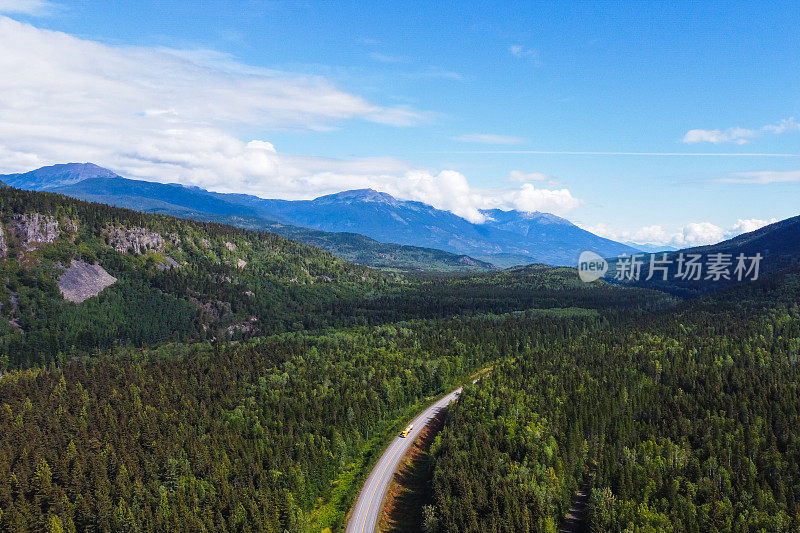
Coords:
61,83
787,124
522,52
162,113
649,234
529,198
654,234
731,135
698,233
27,7
529,177
526,177
689,235
489,138
764,177
386,58
739,135
171,116
449,190
750,224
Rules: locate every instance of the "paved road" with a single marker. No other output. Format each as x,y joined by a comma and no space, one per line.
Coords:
368,506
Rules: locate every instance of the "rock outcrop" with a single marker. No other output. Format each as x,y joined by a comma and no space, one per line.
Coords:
466,260
3,244
167,264
82,281
137,239
35,228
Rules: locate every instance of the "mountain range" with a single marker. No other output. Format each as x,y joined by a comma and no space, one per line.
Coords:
364,225
90,182
777,245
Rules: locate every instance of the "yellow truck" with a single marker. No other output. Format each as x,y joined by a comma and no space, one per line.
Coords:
406,431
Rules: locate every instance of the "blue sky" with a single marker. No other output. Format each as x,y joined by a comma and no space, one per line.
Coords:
462,105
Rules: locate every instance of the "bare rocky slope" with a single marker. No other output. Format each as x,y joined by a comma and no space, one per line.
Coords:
82,281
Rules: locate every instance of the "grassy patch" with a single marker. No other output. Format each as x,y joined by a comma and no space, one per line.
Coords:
331,513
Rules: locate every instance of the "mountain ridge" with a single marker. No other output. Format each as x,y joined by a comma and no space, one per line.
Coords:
58,175
507,238
193,202
778,245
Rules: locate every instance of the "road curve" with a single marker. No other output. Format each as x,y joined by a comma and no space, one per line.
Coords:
367,510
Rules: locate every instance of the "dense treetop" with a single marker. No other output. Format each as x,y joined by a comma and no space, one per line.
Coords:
686,420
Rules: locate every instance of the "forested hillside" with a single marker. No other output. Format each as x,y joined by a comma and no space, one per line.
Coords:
181,280
683,421
175,279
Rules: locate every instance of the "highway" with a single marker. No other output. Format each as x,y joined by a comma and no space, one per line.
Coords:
366,512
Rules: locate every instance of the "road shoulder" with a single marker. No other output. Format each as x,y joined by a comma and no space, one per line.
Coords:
410,489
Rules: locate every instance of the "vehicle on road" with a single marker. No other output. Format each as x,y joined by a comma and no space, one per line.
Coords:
367,509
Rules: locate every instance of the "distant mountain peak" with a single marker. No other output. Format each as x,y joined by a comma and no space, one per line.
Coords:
548,217
54,176
363,195
500,216
81,167
83,170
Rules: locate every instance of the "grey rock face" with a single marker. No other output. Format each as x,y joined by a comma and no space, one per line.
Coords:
3,244
35,228
167,264
82,281
137,239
